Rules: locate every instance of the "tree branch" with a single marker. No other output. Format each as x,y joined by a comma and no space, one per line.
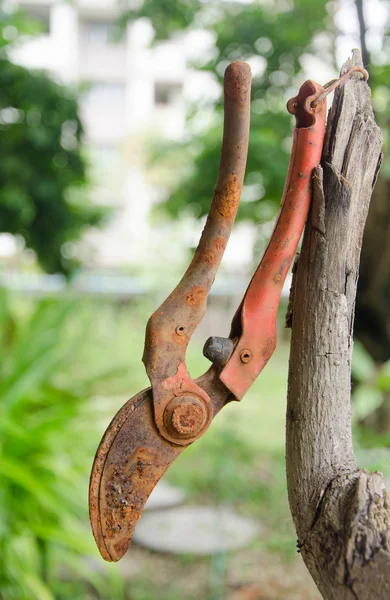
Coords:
362,31
342,515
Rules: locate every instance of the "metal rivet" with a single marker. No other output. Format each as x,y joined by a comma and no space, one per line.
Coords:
245,356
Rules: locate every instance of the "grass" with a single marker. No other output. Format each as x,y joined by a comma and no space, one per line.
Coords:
239,462
45,448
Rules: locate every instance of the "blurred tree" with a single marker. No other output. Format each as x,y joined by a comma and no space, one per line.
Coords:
372,319
167,17
42,169
273,37
46,444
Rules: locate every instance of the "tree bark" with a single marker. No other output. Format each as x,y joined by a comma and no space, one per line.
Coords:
341,513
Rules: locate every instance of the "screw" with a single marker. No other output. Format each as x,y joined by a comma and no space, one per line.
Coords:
245,355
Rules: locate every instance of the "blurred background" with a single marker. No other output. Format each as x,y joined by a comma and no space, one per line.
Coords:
110,129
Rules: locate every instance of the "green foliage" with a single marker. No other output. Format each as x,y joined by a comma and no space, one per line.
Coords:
46,446
167,17
379,69
42,171
55,355
276,35
371,382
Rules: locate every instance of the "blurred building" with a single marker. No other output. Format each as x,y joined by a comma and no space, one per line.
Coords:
132,91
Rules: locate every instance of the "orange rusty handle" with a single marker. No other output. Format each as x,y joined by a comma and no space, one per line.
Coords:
170,328
255,320
254,324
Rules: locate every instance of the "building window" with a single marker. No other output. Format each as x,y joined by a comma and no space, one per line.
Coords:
101,32
166,93
105,93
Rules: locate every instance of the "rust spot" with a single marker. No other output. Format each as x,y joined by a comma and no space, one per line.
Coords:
219,244
125,491
188,418
228,198
280,275
208,257
301,175
196,295
153,339
121,547
180,339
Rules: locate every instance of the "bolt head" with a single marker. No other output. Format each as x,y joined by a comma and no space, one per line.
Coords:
185,416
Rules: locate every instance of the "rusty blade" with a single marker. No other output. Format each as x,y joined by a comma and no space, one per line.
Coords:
131,459
129,462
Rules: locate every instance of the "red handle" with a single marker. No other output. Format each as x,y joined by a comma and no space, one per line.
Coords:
255,320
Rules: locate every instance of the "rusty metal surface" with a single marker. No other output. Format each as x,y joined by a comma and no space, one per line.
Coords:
171,326
332,85
131,459
255,321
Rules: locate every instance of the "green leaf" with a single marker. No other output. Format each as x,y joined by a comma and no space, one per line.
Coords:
365,400
37,588
23,476
363,366
74,540
383,379
31,378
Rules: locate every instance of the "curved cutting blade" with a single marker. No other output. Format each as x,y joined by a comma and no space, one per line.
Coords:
131,459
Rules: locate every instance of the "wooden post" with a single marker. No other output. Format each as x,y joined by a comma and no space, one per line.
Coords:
341,513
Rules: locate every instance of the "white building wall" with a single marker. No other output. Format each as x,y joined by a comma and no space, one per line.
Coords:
116,108
132,90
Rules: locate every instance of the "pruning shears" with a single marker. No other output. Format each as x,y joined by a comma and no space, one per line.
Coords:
158,423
